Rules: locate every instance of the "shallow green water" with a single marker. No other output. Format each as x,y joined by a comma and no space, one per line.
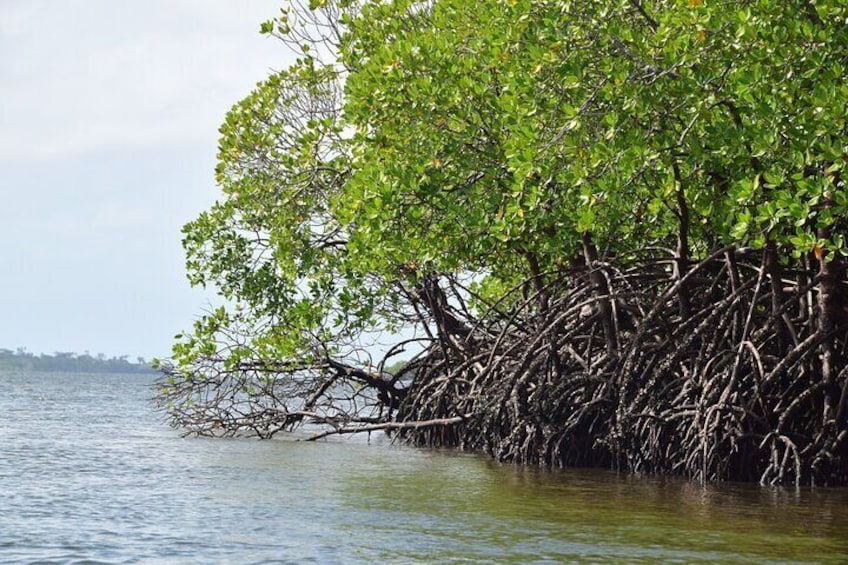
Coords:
88,474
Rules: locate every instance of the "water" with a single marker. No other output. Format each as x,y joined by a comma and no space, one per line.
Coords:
89,474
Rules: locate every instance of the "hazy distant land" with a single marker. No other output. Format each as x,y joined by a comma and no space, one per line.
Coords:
22,360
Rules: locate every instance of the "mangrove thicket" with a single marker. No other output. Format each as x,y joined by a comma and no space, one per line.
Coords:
590,233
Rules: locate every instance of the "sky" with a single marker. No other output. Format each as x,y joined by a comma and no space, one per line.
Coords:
109,116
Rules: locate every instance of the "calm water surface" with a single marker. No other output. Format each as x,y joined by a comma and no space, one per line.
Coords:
89,474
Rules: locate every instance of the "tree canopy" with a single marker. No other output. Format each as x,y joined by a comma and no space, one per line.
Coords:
443,173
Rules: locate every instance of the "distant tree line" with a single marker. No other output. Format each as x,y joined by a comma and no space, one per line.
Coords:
60,361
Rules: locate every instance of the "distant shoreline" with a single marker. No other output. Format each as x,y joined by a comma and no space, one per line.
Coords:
22,360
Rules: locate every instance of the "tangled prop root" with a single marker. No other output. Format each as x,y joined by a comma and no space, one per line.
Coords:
732,388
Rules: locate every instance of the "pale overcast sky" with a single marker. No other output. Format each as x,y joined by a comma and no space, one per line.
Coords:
109,112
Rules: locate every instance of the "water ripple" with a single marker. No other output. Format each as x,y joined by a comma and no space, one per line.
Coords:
89,475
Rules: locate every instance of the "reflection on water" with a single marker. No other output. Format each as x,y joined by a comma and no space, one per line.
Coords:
592,516
88,473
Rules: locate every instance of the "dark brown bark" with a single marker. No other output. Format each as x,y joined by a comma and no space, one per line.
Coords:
681,263
829,306
451,329
602,292
733,276
774,272
828,311
538,280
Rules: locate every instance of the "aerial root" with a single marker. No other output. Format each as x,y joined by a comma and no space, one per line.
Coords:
716,396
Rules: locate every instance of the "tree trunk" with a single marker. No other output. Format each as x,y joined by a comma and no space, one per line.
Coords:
775,273
602,292
829,305
681,263
538,281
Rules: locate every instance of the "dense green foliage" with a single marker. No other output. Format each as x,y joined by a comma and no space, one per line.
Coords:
473,134
511,142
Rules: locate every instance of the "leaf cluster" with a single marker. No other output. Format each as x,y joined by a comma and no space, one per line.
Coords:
490,137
